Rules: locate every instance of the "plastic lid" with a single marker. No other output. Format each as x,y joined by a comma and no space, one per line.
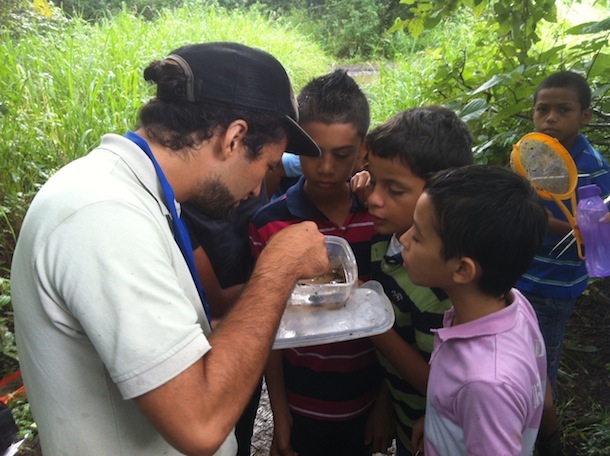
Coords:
367,312
587,191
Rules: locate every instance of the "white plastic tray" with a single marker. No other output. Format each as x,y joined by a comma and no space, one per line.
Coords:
367,312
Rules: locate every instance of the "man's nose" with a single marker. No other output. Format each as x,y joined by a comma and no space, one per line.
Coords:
256,191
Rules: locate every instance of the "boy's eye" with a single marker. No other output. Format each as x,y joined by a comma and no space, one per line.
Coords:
396,191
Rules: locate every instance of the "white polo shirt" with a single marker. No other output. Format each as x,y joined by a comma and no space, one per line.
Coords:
105,307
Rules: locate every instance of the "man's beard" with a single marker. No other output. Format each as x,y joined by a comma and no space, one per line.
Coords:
213,198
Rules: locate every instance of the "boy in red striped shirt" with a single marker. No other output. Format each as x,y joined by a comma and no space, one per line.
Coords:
321,396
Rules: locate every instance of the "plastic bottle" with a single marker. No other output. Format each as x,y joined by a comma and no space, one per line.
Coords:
596,235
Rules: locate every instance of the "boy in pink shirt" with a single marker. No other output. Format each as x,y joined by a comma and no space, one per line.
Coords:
475,231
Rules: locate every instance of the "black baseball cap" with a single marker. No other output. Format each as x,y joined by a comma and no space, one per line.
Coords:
238,76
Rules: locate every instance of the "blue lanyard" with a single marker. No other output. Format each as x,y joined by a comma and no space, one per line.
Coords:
181,234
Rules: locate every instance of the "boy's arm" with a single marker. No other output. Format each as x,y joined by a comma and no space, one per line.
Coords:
381,422
556,226
220,299
417,435
493,418
282,420
407,361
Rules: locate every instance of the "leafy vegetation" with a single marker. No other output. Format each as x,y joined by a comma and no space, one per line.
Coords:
514,45
72,72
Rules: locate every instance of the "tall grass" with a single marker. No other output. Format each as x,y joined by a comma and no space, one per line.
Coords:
405,81
62,86
61,91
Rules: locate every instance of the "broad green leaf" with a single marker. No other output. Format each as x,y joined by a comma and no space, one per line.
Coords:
494,81
590,27
474,109
600,90
415,27
600,67
552,53
423,7
399,25
479,8
510,110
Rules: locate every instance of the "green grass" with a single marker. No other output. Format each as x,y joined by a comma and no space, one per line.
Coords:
61,91
63,84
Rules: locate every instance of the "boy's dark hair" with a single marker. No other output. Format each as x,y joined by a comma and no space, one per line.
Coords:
183,124
334,98
492,215
426,140
570,80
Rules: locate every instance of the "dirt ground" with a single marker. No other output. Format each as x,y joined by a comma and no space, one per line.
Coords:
583,385
263,427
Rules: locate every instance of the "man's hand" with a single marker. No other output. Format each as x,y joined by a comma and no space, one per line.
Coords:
297,251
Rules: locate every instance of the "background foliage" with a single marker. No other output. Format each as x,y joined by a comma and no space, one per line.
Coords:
516,45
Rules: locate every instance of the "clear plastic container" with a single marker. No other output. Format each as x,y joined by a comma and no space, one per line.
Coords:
366,313
332,290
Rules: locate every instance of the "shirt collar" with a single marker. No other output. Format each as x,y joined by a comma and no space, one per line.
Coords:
139,164
495,323
579,146
301,206
394,252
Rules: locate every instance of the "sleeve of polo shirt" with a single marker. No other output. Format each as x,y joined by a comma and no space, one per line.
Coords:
493,418
292,165
115,267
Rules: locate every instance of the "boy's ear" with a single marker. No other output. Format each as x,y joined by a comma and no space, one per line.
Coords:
363,150
360,163
232,140
585,116
466,270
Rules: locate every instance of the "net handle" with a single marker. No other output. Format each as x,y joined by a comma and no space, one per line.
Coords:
571,220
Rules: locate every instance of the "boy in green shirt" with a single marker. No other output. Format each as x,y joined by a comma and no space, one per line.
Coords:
402,154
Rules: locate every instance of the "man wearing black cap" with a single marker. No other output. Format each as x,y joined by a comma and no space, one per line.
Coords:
112,328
